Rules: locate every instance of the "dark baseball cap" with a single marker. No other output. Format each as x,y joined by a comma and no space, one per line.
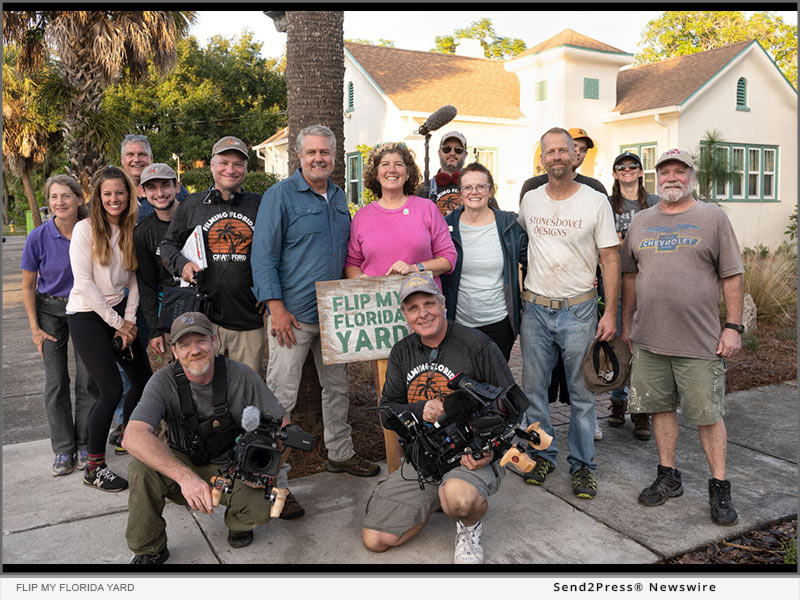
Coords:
190,322
606,365
630,155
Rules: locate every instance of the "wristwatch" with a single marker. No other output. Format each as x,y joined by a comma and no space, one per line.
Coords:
421,267
735,327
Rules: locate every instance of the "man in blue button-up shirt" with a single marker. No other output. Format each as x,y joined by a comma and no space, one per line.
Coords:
300,238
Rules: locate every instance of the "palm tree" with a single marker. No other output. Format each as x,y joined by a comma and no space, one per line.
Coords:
93,49
712,166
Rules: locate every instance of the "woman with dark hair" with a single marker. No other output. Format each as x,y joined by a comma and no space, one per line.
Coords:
483,289
46,284
628,197
400,233
102,322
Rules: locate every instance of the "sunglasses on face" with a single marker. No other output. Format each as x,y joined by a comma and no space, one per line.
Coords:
456,149
626,168
480,188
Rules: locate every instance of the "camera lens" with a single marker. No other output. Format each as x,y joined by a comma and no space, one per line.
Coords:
261,460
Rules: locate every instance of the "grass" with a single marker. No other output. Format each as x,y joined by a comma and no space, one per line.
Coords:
771,280
790,550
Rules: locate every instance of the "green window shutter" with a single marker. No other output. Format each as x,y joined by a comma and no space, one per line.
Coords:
350,95
540,91
591,88
741,94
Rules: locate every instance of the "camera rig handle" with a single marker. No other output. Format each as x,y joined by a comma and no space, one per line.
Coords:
516,455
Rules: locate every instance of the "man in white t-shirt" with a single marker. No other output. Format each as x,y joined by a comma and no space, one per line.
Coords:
567,223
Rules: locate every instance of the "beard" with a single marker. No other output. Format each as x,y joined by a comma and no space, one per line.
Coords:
198,366
674,193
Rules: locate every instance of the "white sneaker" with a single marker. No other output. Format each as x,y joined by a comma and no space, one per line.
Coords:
598,435
468,544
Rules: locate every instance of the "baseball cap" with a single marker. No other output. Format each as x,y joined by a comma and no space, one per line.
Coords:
230,143
676,154
190,322
418,282
454,134
577,132
606,365
634,157
157,171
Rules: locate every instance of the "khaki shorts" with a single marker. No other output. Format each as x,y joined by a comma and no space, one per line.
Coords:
659,382
397,504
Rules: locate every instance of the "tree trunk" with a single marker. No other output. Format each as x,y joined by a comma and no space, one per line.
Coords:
26,185
315,78
6,204
315,95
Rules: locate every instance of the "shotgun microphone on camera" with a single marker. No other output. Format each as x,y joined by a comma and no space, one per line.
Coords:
438,119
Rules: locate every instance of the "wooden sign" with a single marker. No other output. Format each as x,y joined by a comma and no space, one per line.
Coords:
359,319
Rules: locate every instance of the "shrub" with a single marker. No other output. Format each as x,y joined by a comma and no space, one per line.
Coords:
201,179
771,281
259,181
791,229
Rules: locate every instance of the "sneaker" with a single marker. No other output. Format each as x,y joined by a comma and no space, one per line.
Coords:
63,465
641,426
240,539
105,479
598,435
151,559
584,483
617,417
540,471
719,497
82,460
292,508
468,544
118,449
114,434
667,485
355,465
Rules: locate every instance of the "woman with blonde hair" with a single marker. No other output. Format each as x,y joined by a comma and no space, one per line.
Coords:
46,284
102,321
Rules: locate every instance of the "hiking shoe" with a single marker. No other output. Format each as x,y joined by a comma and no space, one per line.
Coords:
240,539
82,459
105,479
118,449
598,435
641,426
291,508
114,434
540,471
355,465
667,485
617,416
719,497
151,559
63,465
468,544
584,483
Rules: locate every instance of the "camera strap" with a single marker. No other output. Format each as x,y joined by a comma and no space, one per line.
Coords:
219,389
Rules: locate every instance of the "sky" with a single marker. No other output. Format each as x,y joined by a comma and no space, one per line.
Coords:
416,30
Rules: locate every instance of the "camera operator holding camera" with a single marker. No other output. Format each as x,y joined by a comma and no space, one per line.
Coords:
202,398
417,375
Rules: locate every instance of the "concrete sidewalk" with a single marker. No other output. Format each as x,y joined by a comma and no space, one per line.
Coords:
50,520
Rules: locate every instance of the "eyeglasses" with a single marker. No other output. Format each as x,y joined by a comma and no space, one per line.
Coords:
480,188
628,167
457,149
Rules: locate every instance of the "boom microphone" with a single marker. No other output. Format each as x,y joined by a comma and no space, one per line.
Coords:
251,418
458,407
438,119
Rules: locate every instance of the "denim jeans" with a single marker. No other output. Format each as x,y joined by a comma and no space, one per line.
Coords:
66,434
543,332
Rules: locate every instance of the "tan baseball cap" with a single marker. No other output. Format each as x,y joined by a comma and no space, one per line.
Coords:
157,171
676,154
230,143
454,134
606,365
418,282
190,322
577,132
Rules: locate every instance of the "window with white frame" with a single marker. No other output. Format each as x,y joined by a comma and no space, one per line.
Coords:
752,175
769,173
487,157
647,153
354,181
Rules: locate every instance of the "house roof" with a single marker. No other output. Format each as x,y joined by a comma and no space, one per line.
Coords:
275,137
671,82
569,37
424,81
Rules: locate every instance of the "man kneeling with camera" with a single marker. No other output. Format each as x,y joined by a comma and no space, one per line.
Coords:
201,397
413,399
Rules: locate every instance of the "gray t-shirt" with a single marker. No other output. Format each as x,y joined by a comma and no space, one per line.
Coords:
244,388
481,298
679,260
622,221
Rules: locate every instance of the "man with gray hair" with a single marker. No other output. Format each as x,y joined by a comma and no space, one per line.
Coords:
676,256
300,238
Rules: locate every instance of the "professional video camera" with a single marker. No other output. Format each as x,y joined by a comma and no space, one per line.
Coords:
478,417
256,457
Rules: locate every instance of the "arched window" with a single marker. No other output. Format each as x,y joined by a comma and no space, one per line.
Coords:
741,94
350,96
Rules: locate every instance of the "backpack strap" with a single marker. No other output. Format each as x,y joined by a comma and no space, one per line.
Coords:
220,387
188,415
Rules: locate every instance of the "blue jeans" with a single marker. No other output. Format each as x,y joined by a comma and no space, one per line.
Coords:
543,332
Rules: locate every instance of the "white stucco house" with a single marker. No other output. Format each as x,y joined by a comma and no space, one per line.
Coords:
571,80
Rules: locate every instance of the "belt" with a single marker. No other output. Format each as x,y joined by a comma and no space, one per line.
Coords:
49,297
557,303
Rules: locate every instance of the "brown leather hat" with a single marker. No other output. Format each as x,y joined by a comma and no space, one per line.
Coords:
606,365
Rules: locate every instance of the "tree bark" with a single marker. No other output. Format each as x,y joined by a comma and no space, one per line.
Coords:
26,185
6,204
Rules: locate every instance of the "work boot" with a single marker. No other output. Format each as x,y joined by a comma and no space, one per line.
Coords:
641,426
667,485
617,417
355,465
719,497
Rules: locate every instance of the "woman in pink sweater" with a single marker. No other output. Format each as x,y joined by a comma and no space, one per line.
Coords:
102,321
400,233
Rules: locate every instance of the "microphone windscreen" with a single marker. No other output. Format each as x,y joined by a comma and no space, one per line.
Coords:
441,117
251,417
459,406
